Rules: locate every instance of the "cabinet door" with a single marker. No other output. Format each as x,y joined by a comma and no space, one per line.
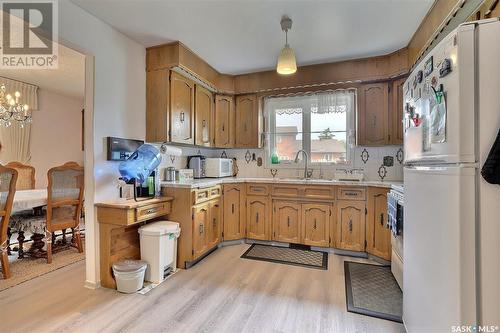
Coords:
378,236
181,109
373,115
351,225
286,221
397,112
157,94
203,110
201,215
234,211
316,224
213,227
258,219
247,122
224,121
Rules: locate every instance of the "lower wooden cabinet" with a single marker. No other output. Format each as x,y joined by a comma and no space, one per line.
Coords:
350,233
201,216
214,224
234,214
258,217
316,224
378,236
286,221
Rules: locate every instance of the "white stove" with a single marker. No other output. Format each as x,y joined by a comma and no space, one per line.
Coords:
395,206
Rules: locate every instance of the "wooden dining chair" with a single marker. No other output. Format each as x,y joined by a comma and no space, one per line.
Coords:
25,175
64,203
8,178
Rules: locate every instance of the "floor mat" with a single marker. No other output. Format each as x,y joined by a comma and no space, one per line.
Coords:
289,256
372,290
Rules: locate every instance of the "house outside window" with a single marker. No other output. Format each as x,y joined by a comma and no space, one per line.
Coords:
322,124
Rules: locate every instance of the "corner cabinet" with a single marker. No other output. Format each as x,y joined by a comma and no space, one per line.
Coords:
181,109
378,236
373,114
247,121
224,121
350,233
203,116
234,211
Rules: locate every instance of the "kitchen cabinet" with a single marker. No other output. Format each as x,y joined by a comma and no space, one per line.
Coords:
214,224
203,112
378,236
247,121
201,216
315,223
373,114
234,212
396,111
258,217
181,109
224,121
350,233
286,219
157,101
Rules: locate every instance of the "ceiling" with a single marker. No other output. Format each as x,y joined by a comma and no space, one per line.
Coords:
241,36
68,79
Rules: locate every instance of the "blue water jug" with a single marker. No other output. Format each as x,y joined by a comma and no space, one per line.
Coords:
140,164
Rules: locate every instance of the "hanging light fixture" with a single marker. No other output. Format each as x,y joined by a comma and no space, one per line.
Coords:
12,110
286,60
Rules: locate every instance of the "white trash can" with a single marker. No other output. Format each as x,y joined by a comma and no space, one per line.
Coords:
159,248
129,275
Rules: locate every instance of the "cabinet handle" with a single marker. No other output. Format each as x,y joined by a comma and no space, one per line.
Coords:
382,219
232,208
182,117
374,121
204,123
222,127
350,225
314,223
245,127
201,228
257,218
288,221
216,206
215,222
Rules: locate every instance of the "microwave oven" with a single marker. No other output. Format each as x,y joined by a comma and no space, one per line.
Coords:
218,167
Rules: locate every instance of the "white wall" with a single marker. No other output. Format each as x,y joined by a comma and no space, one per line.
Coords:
56,133
119,102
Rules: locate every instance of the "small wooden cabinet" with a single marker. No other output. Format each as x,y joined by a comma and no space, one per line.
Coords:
378,236
157,105
396,111
316,224
286,221
350,233
181,109
234,214
214,224
373,114
247,121
258,217
201,216
224,121
203,116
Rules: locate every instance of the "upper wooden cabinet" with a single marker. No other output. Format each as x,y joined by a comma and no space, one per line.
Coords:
373,114
247,121
378,236
181,109
234,211
286,221
396,111
316,224
203,116
157,96
224,121
258,217
350,233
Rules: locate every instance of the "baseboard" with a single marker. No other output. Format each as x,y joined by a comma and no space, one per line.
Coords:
92,285
350,253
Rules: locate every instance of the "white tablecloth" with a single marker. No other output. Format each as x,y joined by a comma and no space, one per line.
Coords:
28,199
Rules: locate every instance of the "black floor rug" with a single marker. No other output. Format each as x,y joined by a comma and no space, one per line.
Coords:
289,256
372,290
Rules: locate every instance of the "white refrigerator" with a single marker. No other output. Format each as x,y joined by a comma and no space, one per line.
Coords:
452,215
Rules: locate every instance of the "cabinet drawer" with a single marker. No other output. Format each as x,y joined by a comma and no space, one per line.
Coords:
215,192
257,189
152,211
201,195
286,190
319,192
351,193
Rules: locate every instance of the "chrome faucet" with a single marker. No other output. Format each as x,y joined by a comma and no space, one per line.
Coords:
306,171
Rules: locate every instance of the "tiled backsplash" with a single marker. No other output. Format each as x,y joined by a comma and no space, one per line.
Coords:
370,159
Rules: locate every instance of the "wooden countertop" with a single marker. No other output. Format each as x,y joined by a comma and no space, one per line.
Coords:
132,204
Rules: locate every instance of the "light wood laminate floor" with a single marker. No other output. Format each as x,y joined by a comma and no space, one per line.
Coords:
223,293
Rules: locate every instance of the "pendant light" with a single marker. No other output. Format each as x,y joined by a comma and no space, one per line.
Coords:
286,60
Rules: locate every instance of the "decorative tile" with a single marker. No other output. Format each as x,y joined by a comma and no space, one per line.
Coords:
388,161
400,155
248,156
172,158
223,155
365,156
382,172
199,152
274,172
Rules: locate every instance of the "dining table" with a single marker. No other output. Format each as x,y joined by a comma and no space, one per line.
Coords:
29,199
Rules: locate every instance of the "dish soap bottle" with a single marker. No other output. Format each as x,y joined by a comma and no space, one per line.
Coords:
274,158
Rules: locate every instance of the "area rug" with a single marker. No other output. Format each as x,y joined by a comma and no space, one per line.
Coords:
288,256
27,269
372,290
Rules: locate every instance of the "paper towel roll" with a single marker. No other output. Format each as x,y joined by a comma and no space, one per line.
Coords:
170,150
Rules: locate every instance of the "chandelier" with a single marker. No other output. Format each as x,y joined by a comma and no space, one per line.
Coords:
11,110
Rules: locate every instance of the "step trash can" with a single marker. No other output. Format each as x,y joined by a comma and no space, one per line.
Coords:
129,275
159,249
